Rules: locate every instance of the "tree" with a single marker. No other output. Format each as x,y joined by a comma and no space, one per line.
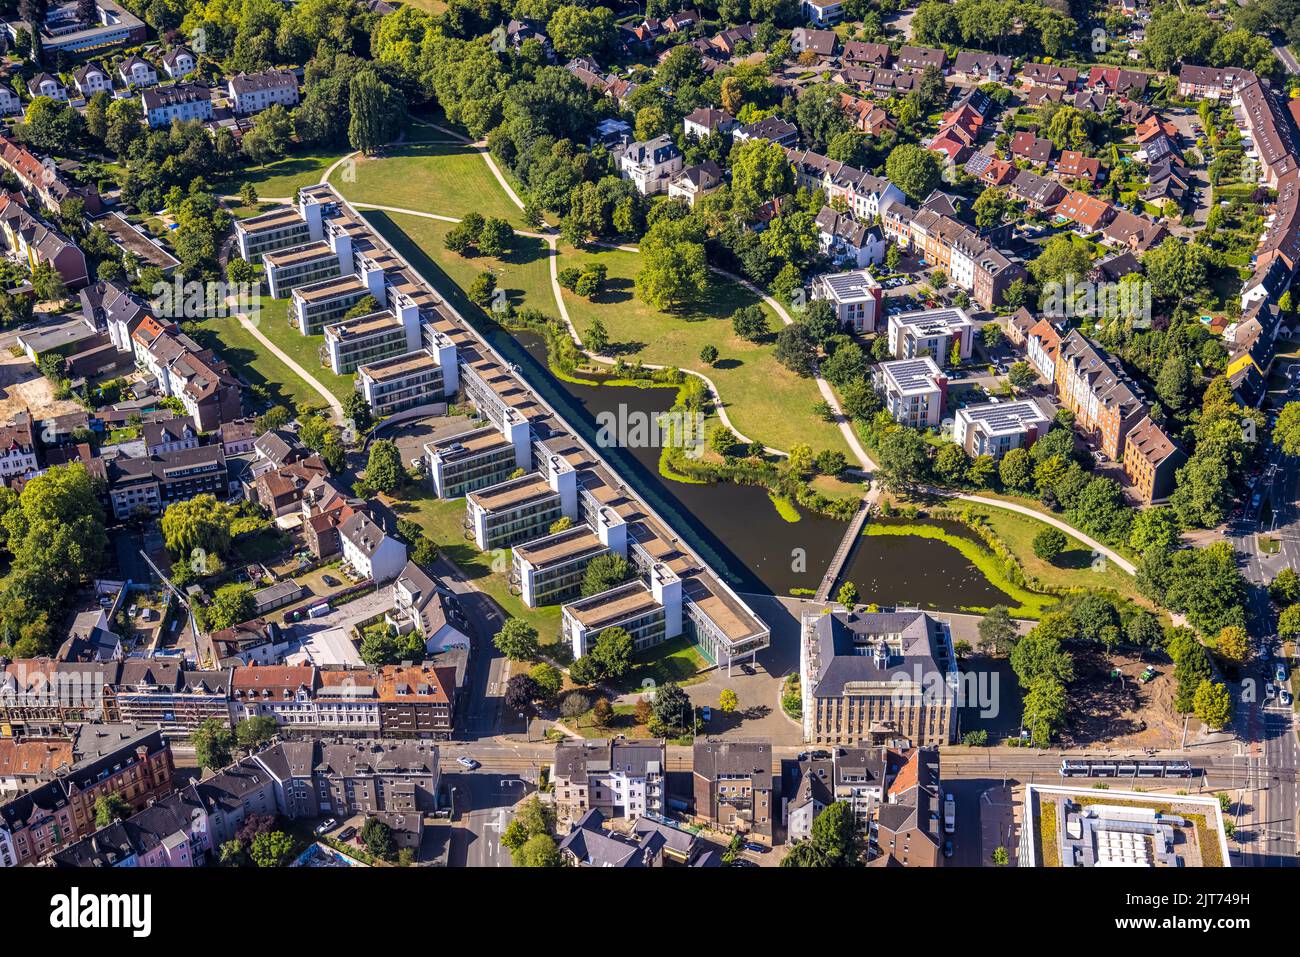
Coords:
1040,653
376,112
199,524
356,408
1212,704
709,355
1232,643
760,171
750,323
1000,856
796,349
1049,543
231,604
728,701
517,640
521,692
996,630
951,464
212,742
1154,528
271,849
913,170
848,595
540,850
1143,630
482,289
832,841
1045,708
270,137
673,265
384,467
1288,623
672,708
1191,668
597,339
495,237
1016,470
901,457
110,808
602,713
603,573
577,31
255,731
1286,432
377,838
1285,588
548,680
613,652
514,836
1022,375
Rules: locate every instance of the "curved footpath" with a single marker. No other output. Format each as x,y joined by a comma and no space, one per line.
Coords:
1052,520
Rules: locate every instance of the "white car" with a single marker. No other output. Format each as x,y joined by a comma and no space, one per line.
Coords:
1270,692
467,763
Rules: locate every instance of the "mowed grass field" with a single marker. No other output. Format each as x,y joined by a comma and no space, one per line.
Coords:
283,178
1073,568
765,401
305,350
442,178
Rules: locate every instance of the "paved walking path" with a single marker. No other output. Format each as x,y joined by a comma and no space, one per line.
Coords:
335,405
1052,520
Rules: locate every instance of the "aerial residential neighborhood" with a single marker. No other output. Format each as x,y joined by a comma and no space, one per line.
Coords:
811,435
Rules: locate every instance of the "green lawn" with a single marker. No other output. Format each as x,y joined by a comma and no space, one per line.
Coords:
305,350
678,660
442,521
523,273
449,180
764,400
253,363
1073,568
283,178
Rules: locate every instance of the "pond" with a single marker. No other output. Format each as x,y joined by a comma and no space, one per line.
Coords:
923,572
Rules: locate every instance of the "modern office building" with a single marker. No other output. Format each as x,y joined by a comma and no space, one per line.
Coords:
474,460
650,613
550,569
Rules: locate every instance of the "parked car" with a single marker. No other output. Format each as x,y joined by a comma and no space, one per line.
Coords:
325,826
1279,673
1286,698
756,847
1270,692
347,834
947,848
330,580
468,763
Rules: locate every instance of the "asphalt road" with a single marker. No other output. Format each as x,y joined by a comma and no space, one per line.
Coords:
483,802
